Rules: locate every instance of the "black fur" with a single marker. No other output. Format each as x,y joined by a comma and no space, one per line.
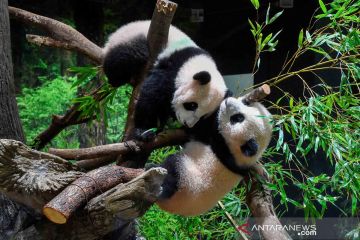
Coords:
206,131
125,61
250,148
203,77
153,108
171,182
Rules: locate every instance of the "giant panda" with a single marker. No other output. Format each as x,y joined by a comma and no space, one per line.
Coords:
184,82
213,162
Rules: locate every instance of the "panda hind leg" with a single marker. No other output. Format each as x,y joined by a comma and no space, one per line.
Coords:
171,181
124,62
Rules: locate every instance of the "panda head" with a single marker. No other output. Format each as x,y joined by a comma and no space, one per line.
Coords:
199,90
246,129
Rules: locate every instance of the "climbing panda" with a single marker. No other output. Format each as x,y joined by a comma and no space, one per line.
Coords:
184,82
213,162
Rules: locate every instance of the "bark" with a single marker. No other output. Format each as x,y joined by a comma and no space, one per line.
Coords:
61,32
13,216
259,200
34,178
10,125
157,38
168,138
59,209
257,94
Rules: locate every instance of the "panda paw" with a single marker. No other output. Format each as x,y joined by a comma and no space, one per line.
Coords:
145,135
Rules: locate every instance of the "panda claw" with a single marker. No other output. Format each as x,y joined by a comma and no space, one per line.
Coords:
145,136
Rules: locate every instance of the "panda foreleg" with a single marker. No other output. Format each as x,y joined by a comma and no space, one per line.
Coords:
153,108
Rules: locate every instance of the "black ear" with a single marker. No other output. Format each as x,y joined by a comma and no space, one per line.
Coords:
203,77
250,148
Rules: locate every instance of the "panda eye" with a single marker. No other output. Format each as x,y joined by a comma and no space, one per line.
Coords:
190,106
237,118
245,102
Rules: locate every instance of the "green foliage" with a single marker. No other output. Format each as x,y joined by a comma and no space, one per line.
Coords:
116,112
157,224
326,123
38,105
262,43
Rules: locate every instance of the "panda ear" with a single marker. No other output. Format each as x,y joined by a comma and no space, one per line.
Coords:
203,77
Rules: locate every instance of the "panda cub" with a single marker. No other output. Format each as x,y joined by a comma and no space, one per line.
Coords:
211,164
184,82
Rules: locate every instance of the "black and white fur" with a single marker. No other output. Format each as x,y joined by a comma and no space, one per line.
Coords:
184,82
211,164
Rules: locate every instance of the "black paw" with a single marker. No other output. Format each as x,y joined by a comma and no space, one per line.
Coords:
151,165
145,135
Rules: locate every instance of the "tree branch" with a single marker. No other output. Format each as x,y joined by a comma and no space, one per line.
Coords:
157,39
168,138
259,200
33,178
59,209
257,94
62,34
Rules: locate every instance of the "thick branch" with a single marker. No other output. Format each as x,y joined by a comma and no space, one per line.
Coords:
257,94
168,138
59,209
259,200
31,177
60,32
157,39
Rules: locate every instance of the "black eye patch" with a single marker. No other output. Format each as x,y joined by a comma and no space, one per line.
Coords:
250,148
237,118
245,102
190,106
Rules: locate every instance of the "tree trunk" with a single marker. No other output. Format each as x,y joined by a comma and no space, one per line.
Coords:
89,20
10,126
13,217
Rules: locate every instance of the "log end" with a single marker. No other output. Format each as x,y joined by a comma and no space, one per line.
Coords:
54,215
266,89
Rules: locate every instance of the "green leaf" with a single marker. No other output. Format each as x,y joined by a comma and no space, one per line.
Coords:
255,3
353,205
267,15
301,38
275,17
251,24
308,36
322,6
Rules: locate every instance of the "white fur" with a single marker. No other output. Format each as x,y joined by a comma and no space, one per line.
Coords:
140,28
208,96
204,180
256,125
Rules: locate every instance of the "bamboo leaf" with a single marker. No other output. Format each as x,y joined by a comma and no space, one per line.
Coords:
322,6
275,16
301,38
267,15
255,3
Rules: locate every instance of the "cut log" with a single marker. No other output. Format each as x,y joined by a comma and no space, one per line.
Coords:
59,209
32,177
257,94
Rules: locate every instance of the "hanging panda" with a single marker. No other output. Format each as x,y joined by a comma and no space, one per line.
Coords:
184,82
211,164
